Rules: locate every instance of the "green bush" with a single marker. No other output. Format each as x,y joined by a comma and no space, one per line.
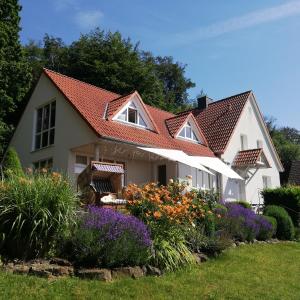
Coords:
285,228
287,197
243,203
34,211
12,164
267,227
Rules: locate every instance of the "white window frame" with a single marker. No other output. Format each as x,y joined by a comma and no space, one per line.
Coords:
193,133
39,162
47,130
134,104
244,142
267,182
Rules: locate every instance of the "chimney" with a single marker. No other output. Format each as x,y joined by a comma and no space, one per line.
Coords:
203,102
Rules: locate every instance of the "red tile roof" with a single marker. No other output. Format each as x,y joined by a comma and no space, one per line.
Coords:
174,123
247,158
219,119
91,103
115,105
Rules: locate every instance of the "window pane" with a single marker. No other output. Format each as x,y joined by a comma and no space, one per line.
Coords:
194,137
46,117
141,121
123,115
182,132
80,159
188,132
43,164
52,121
45,139
39,120
37,141
36,165
52,133
132,115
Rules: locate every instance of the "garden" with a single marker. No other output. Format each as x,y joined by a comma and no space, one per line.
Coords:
48,232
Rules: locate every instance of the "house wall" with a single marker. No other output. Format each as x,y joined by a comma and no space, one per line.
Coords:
249,125
70,129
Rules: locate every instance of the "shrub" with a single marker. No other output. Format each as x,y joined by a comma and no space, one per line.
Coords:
287,197
245,204
170,250
108,238
285,228
34,210
240,222
12,164
266,227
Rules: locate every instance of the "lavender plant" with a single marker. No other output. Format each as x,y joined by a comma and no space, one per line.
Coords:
109,238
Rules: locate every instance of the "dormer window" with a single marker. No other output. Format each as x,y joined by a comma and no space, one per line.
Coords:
188,133
131,115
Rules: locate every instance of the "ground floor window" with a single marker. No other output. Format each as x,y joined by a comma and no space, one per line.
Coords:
44,163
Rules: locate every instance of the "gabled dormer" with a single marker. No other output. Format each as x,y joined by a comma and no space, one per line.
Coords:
185,127
130,110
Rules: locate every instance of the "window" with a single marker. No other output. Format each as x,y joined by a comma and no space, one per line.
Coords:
81,161
259,143
131,115
244,142
188,133
45,126
45,163
267,182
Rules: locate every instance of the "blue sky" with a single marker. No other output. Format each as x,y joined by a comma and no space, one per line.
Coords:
228,46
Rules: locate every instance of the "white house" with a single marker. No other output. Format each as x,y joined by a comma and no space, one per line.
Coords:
68,123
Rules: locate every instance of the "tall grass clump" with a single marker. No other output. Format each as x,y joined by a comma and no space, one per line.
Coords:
34,211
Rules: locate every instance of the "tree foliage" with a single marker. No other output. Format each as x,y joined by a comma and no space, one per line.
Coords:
286,141
108,60
14,69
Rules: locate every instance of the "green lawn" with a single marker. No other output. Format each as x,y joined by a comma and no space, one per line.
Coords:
248,272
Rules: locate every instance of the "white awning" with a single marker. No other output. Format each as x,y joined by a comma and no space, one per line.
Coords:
216,164
177,155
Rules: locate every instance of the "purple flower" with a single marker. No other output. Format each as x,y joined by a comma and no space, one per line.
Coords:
113,225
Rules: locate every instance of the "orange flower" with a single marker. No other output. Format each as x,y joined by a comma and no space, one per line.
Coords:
157,215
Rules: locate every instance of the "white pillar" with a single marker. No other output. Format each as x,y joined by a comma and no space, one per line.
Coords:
97,152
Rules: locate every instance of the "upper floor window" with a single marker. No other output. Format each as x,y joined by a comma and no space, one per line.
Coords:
267,182
259,143
45,126
131,115
244,142
188,133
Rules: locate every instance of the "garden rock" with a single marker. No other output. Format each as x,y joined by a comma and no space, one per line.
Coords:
100,274
40,272
152,271
203,257
197,258
60,262
134,272
20,269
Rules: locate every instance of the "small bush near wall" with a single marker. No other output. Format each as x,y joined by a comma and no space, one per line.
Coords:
34,210
287,197
285,228
244,204
107,238
12,164
267,227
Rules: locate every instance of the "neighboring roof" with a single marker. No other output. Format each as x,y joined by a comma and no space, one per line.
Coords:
249,158
219,120
294,176
92,103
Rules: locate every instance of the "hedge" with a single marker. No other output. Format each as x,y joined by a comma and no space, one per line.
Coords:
287,197
285,227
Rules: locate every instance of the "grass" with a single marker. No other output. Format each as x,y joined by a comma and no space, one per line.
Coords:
267,271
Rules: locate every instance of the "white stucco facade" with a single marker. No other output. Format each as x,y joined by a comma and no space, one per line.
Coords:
251,126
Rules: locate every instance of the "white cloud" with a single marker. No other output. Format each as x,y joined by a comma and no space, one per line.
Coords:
65,4
245,21
88,19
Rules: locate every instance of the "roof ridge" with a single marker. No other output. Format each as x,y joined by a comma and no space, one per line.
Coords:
177,116
63,75
122,96
229,97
